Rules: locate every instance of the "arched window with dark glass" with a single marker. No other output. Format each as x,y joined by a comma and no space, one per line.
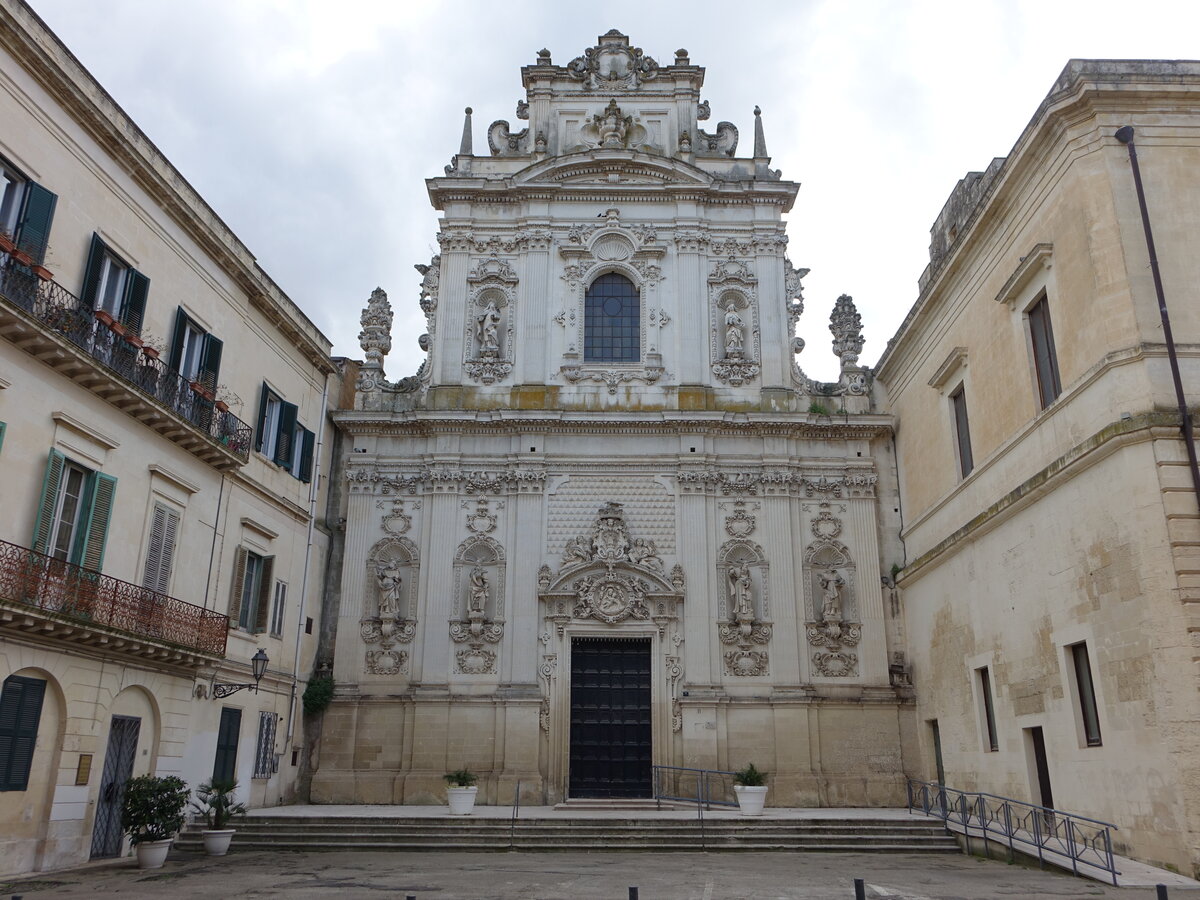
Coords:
612,321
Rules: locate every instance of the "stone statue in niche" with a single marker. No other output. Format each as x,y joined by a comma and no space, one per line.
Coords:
612,126
741,589
387,576
487,326
477,601
735,334
831,591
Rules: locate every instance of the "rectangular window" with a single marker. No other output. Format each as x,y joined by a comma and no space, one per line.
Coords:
278,608
195,354
249,601
270,411
20,713
264,758
281,438
74,512
962,431
1087,694
112,285
1045,361
26,212
160,550
989,713
225,763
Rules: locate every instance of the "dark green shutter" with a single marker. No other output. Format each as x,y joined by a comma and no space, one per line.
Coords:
306,456
51,483
266,578
33,226
238,586
91,274
210,361
175,359
20,712
263,396
133,307
94,535
287,433
225,764
3,428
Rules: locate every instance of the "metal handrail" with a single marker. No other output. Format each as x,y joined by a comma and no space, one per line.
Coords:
35,579
65,315
1081,839
710,787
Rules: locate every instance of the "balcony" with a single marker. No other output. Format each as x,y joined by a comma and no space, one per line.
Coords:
51,599
50,323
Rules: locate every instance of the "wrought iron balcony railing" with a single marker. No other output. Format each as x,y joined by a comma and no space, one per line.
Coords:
91,599
63,314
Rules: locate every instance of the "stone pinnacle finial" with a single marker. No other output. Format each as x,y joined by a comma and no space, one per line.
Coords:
760,141
464,148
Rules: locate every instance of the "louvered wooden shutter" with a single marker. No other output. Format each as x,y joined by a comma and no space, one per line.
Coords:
238,585
263,396
20,712
210,361
33,226
266,578
3,428
99,513
287,434
51,484
91,274
133,307
160,553
306,456
175,359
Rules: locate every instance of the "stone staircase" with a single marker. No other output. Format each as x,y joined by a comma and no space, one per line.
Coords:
582,833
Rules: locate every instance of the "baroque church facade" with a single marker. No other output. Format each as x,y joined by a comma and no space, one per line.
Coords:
610,524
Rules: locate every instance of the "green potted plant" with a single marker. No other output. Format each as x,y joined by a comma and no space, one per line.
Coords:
750,786
152,814
461,791
215,801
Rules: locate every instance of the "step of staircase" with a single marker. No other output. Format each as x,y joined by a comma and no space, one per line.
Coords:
426,834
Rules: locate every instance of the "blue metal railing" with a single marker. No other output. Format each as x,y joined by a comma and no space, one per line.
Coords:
1082,840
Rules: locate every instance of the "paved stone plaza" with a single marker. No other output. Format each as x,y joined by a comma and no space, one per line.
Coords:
570,876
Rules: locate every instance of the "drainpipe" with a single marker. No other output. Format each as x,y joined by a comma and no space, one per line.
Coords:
1125,136
313,495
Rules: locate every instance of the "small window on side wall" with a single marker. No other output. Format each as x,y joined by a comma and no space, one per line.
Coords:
195,354
26,212
1086,692
250,590
962,431
1045,359
113,286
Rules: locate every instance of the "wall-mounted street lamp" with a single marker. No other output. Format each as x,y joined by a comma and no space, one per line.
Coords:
258,665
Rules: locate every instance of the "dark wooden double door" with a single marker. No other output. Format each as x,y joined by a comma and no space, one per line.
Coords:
610,718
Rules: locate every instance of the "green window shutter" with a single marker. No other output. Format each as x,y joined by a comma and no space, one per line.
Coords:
133,307
265,581
235,589
91,274
94,535
306,456
225,764
175,358
210,361
263,396
287,432
160,552
51,483
3,428
20,712
33,226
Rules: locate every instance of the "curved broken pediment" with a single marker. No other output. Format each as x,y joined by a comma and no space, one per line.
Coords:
599,166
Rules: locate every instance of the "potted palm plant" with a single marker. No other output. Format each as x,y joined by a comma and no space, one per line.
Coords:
461,792
750,786
152,814
215,801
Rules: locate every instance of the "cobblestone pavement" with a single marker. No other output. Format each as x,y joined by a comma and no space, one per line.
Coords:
568,876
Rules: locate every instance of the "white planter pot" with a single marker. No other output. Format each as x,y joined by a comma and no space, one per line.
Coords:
216,843
750,799
462,800
152,854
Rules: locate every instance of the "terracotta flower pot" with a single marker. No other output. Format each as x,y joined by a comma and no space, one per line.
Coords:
43,273
151,352
222,406
21,256
118,328
104,317
133,339
6,244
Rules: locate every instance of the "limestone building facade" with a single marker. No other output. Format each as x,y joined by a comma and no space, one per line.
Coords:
610,524
156,531
1050,518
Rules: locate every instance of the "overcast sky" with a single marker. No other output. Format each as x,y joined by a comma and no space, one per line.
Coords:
310,126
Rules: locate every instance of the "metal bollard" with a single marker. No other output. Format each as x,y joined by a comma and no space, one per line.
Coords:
1160,891
860,889
411,897
633,893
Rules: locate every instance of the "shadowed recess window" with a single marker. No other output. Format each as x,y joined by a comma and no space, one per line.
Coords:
962,431
612,321
1087,694
1045,360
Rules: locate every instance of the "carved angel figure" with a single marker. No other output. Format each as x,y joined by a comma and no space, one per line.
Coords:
831,589
741,592
479,590
578,549
645,553
387,576
735,339
486,325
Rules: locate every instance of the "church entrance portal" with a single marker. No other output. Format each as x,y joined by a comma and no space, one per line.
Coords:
610,718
